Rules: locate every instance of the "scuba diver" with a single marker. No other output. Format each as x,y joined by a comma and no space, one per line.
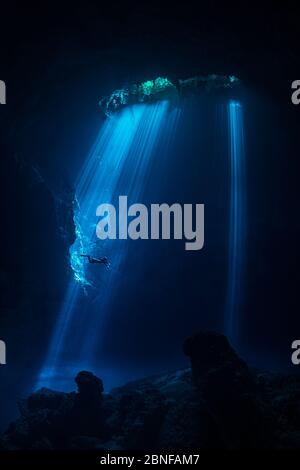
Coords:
92,260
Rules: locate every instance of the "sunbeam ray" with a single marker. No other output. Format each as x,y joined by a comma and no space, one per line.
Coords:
118,163
237,219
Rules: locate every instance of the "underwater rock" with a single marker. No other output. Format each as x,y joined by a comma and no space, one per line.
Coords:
42,399
221,403
162,88
227,386
208,350
65,208
90,387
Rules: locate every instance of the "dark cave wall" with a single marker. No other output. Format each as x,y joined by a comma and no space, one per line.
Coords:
33,272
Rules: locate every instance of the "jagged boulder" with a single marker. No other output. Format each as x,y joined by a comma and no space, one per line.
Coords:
209,350
88,413
90,388
229,389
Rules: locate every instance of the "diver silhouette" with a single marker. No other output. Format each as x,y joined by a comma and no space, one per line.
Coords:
93,260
